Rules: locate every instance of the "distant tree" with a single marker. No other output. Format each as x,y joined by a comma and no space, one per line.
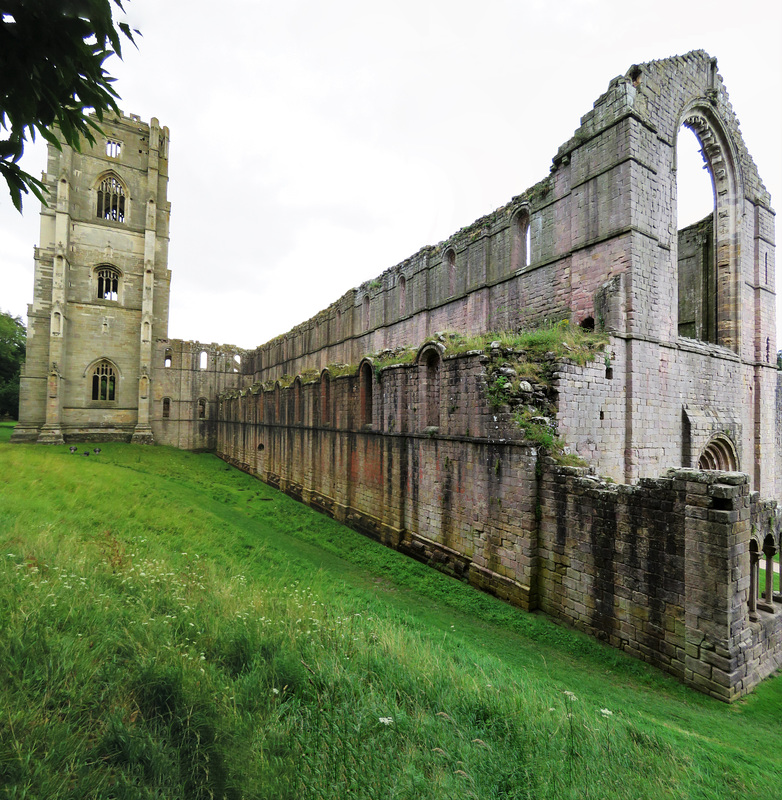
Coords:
51,75
12,346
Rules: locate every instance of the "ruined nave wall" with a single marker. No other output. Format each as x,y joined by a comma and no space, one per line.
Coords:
661,569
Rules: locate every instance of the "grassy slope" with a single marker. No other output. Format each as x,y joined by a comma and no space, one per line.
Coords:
152,601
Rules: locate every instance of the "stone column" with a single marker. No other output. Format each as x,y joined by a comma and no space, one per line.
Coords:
51,431
769,551
143,432
754,560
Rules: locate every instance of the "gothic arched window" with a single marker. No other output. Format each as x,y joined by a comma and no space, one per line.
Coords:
111,199
108,284
104,382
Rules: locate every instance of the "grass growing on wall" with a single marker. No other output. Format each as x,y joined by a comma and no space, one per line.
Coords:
173,628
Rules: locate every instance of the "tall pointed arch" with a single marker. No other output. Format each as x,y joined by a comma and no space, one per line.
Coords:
112,201
719,307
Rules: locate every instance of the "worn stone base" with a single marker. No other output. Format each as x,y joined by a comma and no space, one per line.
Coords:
106,435
513,592
24,434
50,436
142,435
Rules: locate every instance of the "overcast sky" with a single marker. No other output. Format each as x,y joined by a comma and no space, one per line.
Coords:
316,144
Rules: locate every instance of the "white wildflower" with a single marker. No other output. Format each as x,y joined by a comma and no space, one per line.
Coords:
606,713
570,696
385,720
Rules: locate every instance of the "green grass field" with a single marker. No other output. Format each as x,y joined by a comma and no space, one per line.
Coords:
173,628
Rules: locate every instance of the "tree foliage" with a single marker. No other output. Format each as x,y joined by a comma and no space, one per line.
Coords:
51,74
12,349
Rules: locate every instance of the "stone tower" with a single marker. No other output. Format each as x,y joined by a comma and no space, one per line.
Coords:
101,288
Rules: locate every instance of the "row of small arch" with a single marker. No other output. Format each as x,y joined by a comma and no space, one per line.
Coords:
429,356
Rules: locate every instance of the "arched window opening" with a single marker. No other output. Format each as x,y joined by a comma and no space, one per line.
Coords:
113,148
402,296
719,454
450,268
587,324
166,407
56,323
108,284
167,359
104,382
325,398
201,408
754,574
365,393
203,360
298,412
769,551
695,206
520,240
111,200
432,389
237,362
338,325
366,312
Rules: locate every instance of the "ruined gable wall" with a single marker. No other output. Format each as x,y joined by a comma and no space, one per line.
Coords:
730,383
179,378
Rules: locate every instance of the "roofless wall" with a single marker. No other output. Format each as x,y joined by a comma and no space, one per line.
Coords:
596,242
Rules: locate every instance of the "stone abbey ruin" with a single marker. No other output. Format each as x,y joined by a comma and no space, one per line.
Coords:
383,412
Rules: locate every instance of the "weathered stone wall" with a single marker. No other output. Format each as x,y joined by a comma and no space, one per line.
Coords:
697,295
660,569
686,393
458,494
186,380
604,251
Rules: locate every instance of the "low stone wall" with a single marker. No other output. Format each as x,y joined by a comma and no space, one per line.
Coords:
661,570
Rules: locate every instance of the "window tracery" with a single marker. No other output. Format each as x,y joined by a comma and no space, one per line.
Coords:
108,284
104,382
111,200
